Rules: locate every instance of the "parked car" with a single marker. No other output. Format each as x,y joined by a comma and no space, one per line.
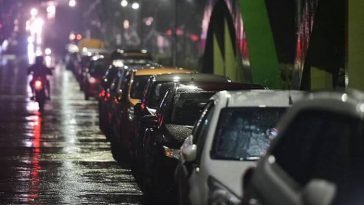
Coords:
111,88
107,95
130,90
155,90
93,76
317,157
166,131
131,54
233,132
83,63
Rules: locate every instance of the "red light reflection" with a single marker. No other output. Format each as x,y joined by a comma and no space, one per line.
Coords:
35,163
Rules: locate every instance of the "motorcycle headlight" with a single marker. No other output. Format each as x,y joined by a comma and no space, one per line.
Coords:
220,194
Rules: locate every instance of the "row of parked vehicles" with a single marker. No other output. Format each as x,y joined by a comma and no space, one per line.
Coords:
194,138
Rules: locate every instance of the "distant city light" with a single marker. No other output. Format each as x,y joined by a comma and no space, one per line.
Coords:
126,24
72,36
135,5
72,3
51,11
124,3
78,37
48,51
33,12
148,21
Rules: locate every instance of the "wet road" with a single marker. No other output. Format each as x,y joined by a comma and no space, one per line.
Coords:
60,157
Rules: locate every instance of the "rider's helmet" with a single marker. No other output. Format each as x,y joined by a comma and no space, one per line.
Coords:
39,60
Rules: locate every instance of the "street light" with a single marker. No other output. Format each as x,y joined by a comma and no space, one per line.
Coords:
72,3
33,12
124,3
135,6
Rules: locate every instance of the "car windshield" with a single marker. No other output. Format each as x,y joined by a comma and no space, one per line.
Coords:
98,68
138,86
187,107
245,133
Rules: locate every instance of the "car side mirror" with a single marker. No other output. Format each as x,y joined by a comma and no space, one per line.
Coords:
150,121
247,177
318,192
189,153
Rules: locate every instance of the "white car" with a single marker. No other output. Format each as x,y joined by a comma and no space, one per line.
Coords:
233,132
317,157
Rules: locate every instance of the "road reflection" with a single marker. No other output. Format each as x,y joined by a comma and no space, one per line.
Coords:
35,180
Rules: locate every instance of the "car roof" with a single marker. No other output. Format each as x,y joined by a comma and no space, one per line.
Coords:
261,98
348,102
131,54
200,77
159,71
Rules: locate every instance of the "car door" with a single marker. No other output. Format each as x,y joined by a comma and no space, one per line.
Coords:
310,148
196,186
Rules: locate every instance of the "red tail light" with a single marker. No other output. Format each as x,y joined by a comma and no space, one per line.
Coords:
38,85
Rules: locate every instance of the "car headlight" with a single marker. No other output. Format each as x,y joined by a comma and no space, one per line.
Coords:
220,194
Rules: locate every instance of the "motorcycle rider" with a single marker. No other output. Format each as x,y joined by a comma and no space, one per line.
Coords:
40,70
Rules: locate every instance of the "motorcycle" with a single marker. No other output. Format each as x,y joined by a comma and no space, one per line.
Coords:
40,93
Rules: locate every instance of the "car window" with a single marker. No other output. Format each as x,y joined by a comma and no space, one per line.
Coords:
124,82
109,77
199,137
321,144
199,123
157,92
245,133
187,107
138,85
164,106
115,82
98,67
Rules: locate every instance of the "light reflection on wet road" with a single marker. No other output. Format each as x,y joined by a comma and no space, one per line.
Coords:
60,157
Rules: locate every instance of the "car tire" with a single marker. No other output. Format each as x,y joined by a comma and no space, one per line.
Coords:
161,189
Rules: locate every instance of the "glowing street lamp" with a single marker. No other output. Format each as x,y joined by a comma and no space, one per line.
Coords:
33,12
51,11
135,6
72,3
124,3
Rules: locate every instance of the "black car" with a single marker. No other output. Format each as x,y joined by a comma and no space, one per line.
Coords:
168,128
93,75
111,88
155,89
107,95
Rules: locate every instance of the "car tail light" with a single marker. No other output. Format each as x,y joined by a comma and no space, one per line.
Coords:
92,80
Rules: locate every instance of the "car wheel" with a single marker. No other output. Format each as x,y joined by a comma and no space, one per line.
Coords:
161,190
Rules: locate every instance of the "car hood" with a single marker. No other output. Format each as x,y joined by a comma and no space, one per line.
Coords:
176,134
235,169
